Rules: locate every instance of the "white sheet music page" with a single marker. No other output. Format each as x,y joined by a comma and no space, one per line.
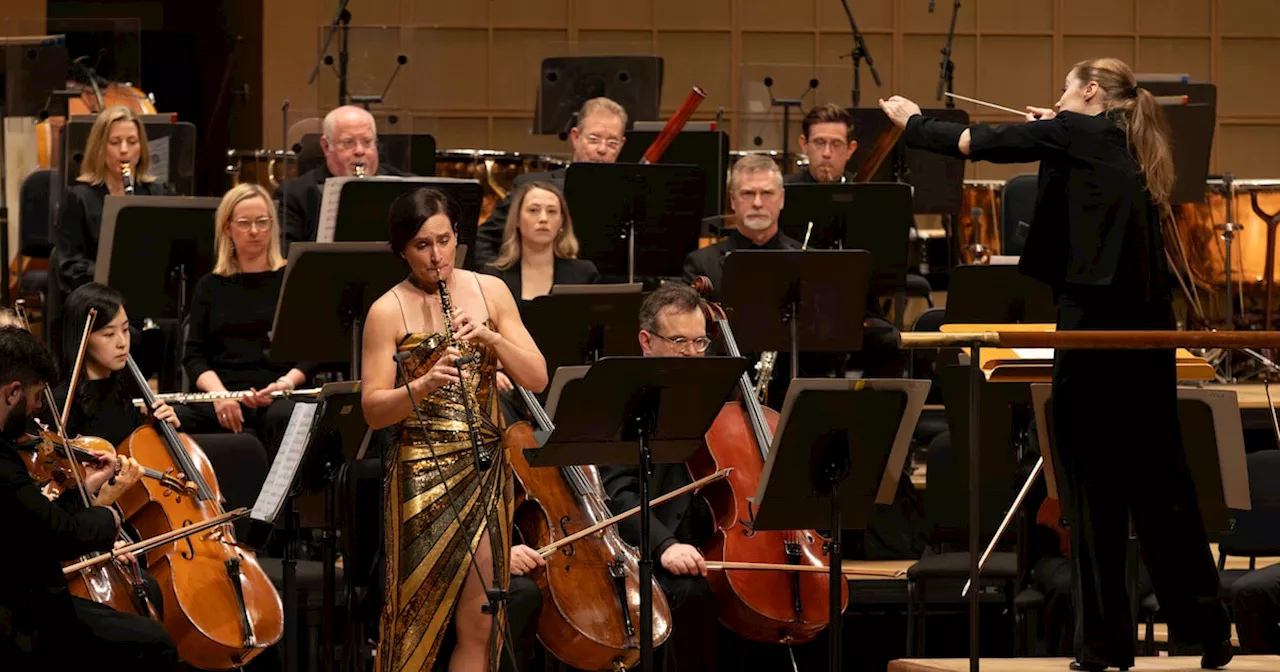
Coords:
328,222
285,466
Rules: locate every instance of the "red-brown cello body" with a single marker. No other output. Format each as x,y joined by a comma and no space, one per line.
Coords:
766,606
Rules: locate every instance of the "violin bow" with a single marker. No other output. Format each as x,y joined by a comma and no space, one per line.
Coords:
87,499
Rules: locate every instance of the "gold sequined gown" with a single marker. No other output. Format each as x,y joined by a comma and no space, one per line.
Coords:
427,555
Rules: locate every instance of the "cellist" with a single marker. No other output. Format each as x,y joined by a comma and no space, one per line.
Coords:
43,623
672,325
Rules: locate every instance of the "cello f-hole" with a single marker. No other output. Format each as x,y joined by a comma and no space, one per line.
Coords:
190,553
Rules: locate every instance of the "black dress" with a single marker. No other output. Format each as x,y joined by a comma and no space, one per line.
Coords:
1096,239
80,225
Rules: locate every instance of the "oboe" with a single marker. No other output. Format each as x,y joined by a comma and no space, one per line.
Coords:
126,175
359,170
483,461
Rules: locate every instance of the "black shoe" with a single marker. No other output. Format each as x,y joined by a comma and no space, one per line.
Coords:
1216,655
1092,667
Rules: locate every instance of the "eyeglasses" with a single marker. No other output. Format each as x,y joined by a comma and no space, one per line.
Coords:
348,144
821,144
699,344
244,224
611,143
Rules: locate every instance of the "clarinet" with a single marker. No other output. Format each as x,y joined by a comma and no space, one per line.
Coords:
359,170
126,175
483,461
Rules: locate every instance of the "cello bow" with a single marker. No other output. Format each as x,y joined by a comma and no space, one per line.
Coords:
674,125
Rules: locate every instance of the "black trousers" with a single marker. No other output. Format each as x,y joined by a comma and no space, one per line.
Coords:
267,423
104,635
1120,444
691,647
1256,603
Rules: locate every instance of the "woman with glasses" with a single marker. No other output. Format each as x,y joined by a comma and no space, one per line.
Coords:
232,310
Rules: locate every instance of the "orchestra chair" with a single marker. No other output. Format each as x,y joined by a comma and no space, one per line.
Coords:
35,218
1256,533
1017,205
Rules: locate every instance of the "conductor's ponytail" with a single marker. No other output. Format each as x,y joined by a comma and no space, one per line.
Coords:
1143,120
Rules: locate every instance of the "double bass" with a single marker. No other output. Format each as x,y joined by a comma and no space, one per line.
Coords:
766,606
221,609
591,586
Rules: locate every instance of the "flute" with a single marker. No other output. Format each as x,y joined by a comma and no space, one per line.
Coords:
210,397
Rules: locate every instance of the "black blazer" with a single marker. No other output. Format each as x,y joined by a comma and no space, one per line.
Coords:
1094,221
298,200
709,260
489,234
567,272
79,226
805,177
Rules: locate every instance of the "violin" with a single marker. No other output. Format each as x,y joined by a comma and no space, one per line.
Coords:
220,607
48,461
592,584
766,606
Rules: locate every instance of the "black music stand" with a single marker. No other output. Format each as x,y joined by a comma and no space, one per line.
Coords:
781,299
29,71
874,216
1191,127
579,328
998,294
324,297
636,219
842,444
663,404
360,206
938,179
173,146
153,250
708,150
566,82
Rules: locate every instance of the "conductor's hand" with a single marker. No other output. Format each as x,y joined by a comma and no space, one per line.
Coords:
1040,113
899,110
442,373
164,413
230,415
130,473
504,383
525,560
468,330
683,560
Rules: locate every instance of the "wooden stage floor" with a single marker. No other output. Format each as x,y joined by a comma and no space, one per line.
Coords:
1143,664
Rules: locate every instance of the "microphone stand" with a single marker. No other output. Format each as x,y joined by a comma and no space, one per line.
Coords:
859,52
341,21
946,70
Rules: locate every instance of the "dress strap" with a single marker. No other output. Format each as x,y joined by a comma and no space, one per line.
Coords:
403,317
476,277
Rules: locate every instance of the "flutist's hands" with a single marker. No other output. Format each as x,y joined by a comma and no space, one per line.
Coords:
472,331
441,373
899,110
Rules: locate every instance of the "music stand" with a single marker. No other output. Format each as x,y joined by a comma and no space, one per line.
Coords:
172,144
324,297
938,179
634,82
998,294
636,219
355,209
708,150
873,216
581,327
1191,126
665,405
779,299
153,250
841,443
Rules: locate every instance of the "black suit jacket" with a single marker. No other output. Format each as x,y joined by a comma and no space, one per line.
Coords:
298,201
709,260
79,226
35,601
1094,221
567,272
805,177
489,234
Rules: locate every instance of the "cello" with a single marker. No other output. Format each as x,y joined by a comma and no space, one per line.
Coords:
220,608
766,606
591,585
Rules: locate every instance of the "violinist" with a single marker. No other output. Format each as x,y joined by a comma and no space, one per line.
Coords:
1106,175
672,324
44,625
232,311
597,137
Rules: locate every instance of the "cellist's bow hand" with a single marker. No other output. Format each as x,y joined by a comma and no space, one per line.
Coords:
525,560
683,560
126,560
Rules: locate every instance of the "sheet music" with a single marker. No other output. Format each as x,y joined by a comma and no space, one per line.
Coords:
328,222
1033,353
285,466
160,159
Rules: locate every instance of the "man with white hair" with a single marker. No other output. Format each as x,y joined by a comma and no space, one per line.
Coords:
596,138
349,139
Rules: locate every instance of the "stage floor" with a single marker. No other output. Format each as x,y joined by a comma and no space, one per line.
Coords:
1143,664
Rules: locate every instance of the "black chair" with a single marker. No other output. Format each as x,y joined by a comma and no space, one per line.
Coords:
35,221
1255,533
1017,205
